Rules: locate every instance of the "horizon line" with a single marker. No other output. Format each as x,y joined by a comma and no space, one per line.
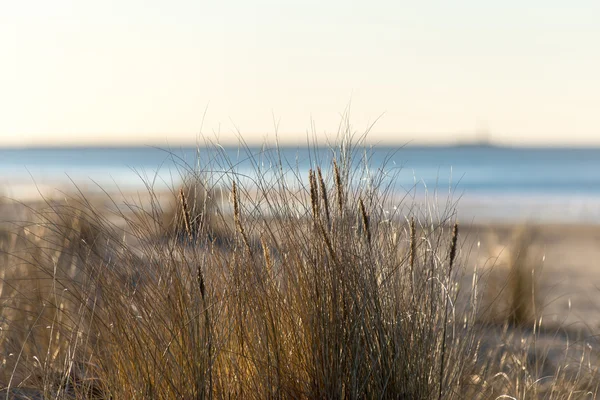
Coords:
318,144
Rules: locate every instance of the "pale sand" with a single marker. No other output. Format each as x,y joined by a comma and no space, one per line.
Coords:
568,292
569,256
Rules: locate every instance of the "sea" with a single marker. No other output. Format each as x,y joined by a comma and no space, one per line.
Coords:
474,183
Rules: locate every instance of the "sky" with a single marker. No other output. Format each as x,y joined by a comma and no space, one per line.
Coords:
155,72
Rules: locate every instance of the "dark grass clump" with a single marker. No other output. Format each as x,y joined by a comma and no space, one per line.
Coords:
510,293
188,209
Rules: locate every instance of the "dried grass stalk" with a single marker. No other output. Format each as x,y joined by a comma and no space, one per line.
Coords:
185,211
453,242
314,194
324,195
237,217
365,219
453,246
339,188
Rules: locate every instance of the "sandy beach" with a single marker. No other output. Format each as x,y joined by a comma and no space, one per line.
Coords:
566,260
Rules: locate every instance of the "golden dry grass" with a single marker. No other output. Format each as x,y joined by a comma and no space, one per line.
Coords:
318,294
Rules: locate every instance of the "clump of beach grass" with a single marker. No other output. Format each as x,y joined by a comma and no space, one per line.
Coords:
317,289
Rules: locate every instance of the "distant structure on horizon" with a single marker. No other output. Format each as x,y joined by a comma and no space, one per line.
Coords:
482,138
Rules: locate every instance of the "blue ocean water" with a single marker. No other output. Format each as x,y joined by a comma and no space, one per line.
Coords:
549,184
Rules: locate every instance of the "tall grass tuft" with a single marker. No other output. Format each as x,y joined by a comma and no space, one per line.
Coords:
300,297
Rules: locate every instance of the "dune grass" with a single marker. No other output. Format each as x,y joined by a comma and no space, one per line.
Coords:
278,289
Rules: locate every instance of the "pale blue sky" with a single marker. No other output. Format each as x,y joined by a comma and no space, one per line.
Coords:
145,71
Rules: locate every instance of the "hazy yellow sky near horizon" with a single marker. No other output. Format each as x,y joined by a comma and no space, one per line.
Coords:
150,71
